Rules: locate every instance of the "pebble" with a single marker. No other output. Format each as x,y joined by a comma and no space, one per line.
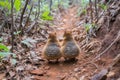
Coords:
47,67
76,69
37,72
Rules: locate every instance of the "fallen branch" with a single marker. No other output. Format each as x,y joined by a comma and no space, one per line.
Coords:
116,61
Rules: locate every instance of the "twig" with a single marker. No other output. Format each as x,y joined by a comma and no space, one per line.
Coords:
28,15
21,18
12,25
39,8
96,10
92,62
115,61
97,18
108,46
5,22
91,10
50,5
1,27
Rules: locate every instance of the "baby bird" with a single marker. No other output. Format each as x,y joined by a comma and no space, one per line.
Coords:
52,48
69,48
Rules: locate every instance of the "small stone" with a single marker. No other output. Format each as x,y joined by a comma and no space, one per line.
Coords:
110,74
83,70
47,67
37,72
20,69
102,75
76,69
82,77
11,73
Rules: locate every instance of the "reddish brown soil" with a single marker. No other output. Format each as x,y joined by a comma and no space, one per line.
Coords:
74,70
80,69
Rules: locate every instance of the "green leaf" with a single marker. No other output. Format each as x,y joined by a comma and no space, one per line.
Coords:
3,47
5,4
28,6
16,33
4,54
83,11
17,4
87,27
46,16
103,6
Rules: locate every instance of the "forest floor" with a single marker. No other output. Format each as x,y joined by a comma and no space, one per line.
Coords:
73,70
83,68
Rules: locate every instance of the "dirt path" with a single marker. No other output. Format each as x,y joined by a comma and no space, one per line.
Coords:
67,21
62,69
72,70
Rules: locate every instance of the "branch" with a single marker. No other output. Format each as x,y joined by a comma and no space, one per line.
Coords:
21,18
38,9
96,10
91,13
28,15
12,25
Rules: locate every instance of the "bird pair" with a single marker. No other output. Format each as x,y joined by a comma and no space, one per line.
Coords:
69,48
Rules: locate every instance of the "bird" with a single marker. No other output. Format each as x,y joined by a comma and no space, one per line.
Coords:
69,47
52,50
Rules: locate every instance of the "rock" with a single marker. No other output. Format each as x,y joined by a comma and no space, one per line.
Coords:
82,78
47,67
110,74
36,61
76,69
20,69
33,54
11,73
37,72
62,77
102,75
